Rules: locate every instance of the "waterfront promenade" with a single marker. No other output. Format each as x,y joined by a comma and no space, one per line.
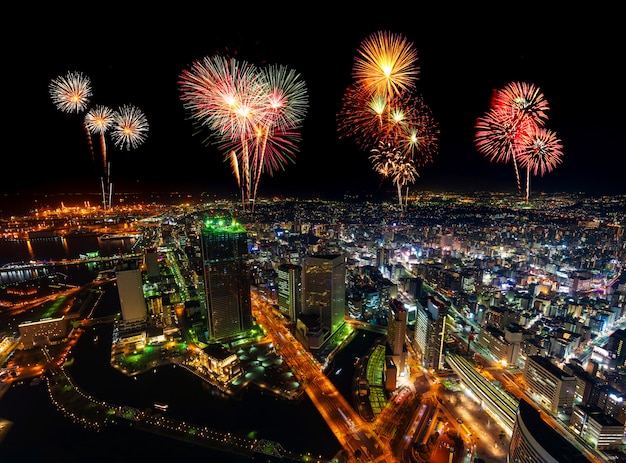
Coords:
92,413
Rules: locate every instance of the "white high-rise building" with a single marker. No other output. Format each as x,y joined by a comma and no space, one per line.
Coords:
130,291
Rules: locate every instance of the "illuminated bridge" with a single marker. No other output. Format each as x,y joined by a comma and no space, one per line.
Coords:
500,404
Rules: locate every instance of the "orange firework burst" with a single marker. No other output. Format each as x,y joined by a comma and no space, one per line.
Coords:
386,64
384,114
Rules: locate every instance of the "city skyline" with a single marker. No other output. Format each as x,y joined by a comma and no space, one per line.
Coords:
461,62
508,236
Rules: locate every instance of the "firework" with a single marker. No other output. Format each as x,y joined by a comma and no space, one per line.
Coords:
515,109
363,115
524,100
512,131
391,161
98,120
387,159
286,94
71,92
498,135
384,114
130,127
541,151
405,119
223,94
254,114
226,96
286,104
414,128
386,63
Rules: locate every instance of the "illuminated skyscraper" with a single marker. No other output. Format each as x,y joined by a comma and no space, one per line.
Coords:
396,332
324,289
430,332
289,290
226,277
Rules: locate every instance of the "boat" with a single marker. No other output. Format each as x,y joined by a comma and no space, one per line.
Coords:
118,236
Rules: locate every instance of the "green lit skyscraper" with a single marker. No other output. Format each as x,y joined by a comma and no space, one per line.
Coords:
226,277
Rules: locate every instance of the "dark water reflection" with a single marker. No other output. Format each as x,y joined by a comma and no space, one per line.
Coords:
59,248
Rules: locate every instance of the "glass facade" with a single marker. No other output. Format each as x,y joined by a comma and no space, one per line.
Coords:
227,278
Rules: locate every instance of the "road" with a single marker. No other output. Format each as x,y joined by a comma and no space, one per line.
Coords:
354,434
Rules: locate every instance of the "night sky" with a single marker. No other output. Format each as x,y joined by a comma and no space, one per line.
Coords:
463,56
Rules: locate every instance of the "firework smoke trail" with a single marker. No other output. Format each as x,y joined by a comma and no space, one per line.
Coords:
90,143
98,120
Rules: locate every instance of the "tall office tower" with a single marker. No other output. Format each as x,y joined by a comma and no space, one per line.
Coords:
130,291
290,290
396,333
616,346
416,286
422,327
224,245
382,256
429,332
153,270
324,289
